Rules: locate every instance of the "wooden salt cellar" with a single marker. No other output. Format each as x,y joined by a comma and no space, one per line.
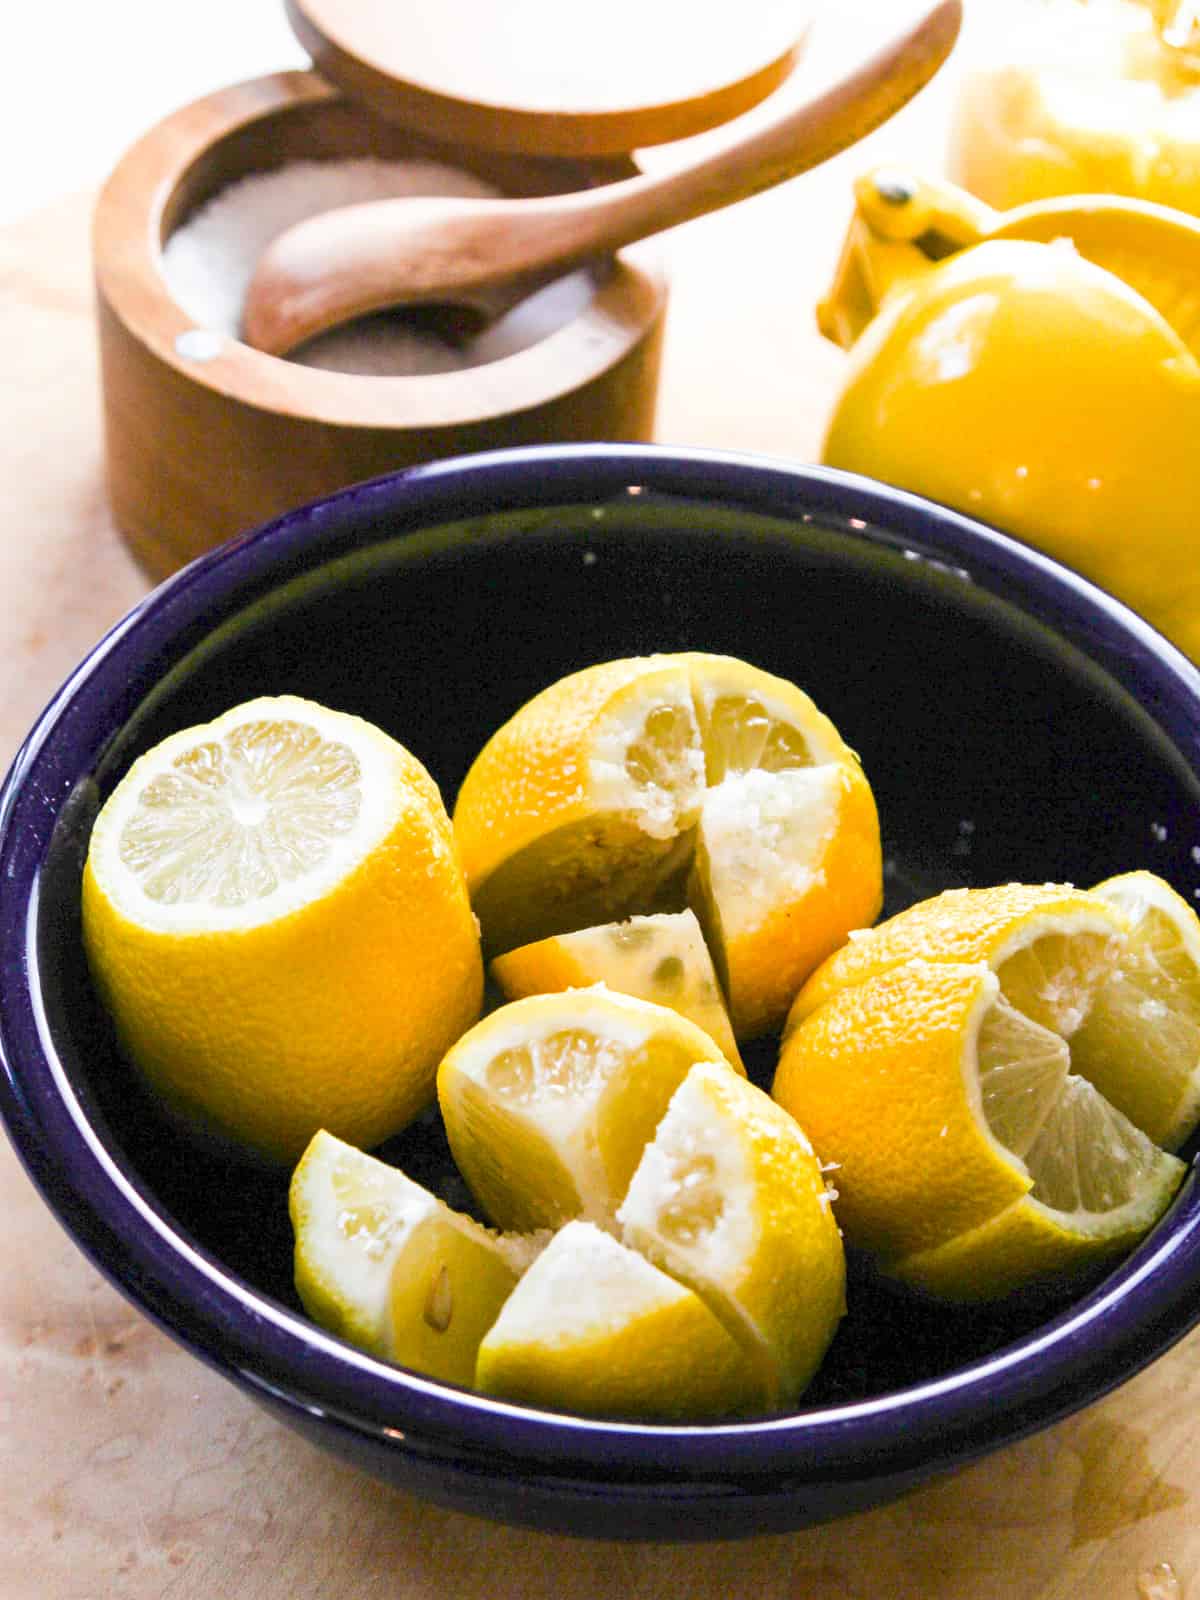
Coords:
206,437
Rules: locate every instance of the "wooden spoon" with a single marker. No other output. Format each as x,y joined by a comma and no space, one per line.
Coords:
362,258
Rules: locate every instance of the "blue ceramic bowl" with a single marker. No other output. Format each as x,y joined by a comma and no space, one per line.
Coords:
1015,723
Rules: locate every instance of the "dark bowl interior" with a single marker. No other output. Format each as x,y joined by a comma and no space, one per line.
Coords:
1014,723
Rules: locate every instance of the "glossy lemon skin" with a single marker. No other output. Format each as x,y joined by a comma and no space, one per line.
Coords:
1023,385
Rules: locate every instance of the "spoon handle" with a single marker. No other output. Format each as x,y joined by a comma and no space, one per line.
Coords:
803,137
361,258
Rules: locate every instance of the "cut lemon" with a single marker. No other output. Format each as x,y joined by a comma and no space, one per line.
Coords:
969,1157
783,869
594,1329
386,1265
275,915
549,1101
1140,1041
1051,946
577,810
662,958
730,1199
583,808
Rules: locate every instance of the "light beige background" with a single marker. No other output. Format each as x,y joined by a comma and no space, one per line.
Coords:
128,1470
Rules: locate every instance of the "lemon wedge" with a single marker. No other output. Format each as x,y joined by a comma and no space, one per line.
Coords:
593,1329
970,1158
661,958
386,1265
730,1199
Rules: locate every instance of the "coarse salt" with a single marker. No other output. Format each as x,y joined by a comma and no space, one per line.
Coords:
208,263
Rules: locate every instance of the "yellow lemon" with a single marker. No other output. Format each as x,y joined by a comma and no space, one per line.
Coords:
1044,379
640,785
275,915
662,958
386,1265
549,1101
1051,946
594,1329
1140,1041
730,1199
969,1158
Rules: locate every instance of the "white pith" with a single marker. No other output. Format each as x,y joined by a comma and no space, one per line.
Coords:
690,1204
764,835
583,1285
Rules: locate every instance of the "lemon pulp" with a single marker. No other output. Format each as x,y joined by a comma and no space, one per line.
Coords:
232,819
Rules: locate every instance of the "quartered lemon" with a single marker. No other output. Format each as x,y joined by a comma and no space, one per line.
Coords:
275,915
1140,1041
386,1265
730,1199
642,785
970,1158
594,1329
662,958
549,1101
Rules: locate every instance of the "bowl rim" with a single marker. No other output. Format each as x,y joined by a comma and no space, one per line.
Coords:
1075,1357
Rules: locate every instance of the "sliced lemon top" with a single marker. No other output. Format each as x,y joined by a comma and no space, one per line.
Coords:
548,1101
596,1330
384,1263
1050,944
730,1199
276,917
250,816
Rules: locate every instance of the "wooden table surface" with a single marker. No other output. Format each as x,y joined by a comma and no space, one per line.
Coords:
129,1470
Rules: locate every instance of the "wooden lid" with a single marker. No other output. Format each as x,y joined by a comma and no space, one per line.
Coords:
549,77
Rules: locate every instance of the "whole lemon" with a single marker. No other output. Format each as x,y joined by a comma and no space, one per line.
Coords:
1022,384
